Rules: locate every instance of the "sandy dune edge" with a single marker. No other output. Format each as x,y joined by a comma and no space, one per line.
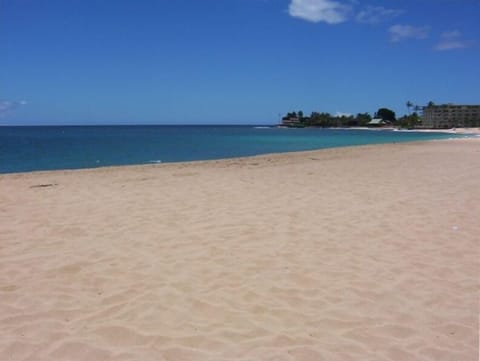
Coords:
363,253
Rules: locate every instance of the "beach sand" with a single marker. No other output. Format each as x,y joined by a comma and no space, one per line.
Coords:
361,253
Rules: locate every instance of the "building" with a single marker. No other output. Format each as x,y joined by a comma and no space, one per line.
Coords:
293,122
451,116
376,122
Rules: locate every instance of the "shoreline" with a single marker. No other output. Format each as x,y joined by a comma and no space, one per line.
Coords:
466,131
162,164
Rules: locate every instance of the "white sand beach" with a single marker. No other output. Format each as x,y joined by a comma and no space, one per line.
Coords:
360,253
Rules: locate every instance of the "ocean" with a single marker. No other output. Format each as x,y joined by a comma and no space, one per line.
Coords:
24,149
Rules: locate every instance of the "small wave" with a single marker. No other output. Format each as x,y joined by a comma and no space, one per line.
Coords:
261,127
155,161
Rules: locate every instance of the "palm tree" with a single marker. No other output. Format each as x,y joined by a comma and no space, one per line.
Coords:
409,105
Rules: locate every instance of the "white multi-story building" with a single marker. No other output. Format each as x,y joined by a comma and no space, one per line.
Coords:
450,116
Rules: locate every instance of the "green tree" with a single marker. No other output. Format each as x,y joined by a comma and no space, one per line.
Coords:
385,114
321,120
413,120
363,119
290,115
409,121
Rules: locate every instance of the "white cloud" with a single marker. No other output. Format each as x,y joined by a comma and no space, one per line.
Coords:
342,114
8,105
403,32
328,11
376,14
452,40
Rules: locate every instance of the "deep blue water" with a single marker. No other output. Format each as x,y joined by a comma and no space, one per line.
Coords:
69,147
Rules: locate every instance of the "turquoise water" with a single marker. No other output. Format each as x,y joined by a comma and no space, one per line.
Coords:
25,149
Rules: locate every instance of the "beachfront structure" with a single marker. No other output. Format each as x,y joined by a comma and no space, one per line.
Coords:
291,122
376,122
450,116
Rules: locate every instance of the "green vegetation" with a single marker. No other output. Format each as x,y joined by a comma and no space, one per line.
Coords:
382,117
386,114
409,106
409,121
316,119
324,119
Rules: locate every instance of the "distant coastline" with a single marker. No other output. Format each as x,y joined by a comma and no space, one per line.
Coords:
28,149
430,116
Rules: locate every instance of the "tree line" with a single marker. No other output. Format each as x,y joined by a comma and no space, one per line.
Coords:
325,119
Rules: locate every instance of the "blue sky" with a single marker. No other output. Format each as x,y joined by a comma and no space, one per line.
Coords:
231,61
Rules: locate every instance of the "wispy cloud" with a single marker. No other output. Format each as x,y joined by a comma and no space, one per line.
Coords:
9,105
377,14
328,11
404,32
452,40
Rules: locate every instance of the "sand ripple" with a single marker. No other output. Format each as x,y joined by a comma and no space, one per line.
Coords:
355,254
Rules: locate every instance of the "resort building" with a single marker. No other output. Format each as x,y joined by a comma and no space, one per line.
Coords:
376,122
291,122
451,116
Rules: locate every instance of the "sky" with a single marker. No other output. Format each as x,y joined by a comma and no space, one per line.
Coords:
231,61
